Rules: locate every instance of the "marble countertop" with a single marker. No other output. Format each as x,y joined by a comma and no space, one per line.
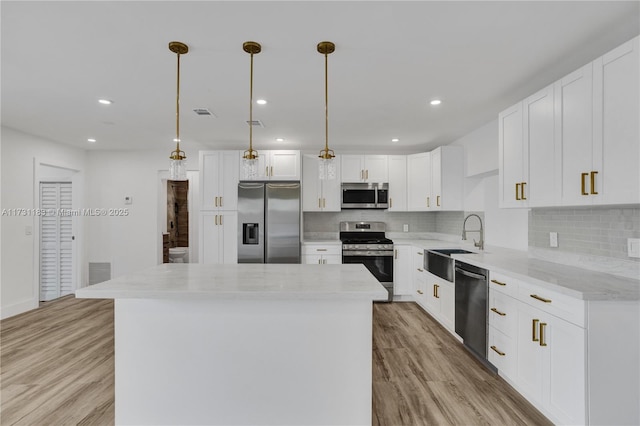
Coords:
244,281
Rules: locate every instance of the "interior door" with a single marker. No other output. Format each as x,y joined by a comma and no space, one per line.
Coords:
56,241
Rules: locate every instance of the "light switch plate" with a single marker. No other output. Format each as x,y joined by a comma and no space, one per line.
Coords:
633,247
28,230
553,239
128,200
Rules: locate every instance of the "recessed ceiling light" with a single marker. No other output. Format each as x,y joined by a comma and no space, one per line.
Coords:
395,140
261,102
105,101
91,140
436,102
279,139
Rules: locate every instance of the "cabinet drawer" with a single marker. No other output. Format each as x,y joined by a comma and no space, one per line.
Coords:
322,249
503,283
502,352
503,313
558,304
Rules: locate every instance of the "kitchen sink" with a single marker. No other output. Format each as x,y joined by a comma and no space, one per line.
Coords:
440,263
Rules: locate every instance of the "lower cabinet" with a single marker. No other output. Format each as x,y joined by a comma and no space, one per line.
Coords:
402,270
219,237
551,364
440,300
321,254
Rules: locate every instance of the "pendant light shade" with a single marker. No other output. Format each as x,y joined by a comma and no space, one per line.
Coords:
178,166
250,157
326,164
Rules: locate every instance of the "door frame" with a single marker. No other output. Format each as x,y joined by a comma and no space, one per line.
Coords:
43,174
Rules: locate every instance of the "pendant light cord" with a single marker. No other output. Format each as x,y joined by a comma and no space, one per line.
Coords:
251,108
326,102
178,106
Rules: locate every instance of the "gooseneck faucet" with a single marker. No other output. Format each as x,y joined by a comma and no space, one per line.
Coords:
479,244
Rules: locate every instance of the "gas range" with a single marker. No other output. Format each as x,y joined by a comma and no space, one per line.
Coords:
365,243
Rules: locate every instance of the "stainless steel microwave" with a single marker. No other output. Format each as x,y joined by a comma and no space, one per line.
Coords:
365,195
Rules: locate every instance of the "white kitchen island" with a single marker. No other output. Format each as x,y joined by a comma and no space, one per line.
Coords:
244,344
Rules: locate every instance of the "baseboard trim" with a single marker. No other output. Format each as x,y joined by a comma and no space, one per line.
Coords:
18,308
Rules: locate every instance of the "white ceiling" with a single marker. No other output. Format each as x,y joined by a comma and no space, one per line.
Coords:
391,58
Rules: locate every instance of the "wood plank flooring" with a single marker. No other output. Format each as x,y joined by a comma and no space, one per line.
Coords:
57,365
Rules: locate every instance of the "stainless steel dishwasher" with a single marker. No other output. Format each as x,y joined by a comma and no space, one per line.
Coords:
472,298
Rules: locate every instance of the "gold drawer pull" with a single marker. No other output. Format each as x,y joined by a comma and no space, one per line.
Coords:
517,191
435,291
534,327
582,183
420,253
321,249
497,351
419,291
420,270
522,184
542,299
438,201
498,282
543,326
502,314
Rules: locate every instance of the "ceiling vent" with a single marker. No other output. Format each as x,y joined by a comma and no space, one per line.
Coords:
204,111
256,123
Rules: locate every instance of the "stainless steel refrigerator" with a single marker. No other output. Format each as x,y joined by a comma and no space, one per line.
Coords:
269,222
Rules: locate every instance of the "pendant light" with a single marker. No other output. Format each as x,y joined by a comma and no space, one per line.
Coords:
327,166
250,157
178,166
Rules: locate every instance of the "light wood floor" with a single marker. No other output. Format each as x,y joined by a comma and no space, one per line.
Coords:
57,368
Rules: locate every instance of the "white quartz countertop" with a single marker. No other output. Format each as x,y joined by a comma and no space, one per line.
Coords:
243,281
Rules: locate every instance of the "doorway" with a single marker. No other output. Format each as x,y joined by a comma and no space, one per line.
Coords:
56,240
178,217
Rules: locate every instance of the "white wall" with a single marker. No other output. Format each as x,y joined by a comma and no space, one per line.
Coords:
131,242
503,227
22,156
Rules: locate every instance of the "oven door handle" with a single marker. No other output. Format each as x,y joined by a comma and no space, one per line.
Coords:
368,253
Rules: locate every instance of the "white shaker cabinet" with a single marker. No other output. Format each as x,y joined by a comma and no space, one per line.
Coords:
365,168
616,138
319,195
402,270
322,254
447,178
513,158
277,165
397,183
219,238
219,177
419,181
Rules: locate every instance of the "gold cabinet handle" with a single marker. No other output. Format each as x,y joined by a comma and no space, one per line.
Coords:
266,171
542,299
361,174
319,261
390,203
593,183
324,202
395,254
498,282
583,190
522,184
216,219
438,201
496,350
428,202
502,314
319,203
517,191
216,202
435,291
421,270
419,291
367,178
324,261
534,327
220,201
271,170
221,216
543,326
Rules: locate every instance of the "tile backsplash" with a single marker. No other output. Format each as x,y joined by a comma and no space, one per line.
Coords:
597,231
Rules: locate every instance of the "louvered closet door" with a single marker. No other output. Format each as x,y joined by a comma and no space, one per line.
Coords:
56,257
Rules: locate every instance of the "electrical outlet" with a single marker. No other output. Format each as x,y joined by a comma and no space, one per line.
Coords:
128,200
633,247
553,239
405,227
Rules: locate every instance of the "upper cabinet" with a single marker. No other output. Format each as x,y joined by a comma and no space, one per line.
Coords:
397,183
365,168
419,181
219,177
576,142
447,178
278,165
319,195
